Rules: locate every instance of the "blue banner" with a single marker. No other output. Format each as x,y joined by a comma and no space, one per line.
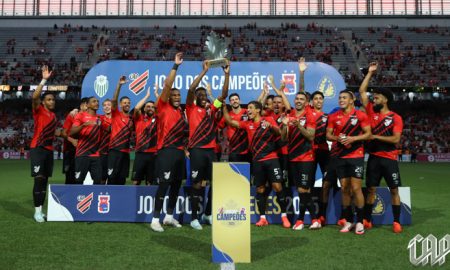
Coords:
136,204
246,78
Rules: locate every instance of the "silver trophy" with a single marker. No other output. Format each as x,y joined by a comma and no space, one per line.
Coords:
215,50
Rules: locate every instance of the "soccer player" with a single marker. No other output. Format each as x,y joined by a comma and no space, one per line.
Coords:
387,129
320,145
41,148
281,107
261,131
87,125
298,130
70,144
202,140
119,145
145,124
170,158
105,138
237,138
347,129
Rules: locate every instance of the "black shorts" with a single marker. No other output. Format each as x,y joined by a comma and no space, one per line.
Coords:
322,158
118,167
350,167
303,174
41,162
267,171
144,167
86,164
104,163
68,163
284,166
330,174
378,167
234,157
170,165
201,164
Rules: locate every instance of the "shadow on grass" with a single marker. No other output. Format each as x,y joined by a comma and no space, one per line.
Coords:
17,208
185,244
271,246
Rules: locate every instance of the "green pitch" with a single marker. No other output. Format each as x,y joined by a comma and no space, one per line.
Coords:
24,244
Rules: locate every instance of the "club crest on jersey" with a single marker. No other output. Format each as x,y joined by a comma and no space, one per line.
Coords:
84,202
326,86
101,85
289,79
354,121
103,203
387,121
324,119
302,121
244,117
138,82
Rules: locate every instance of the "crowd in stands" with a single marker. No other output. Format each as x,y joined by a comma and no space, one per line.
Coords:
408,56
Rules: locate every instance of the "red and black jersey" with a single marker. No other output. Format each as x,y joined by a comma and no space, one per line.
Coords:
171,125
44,128
350,124
145,133
261,138
300,149
121,127
106,134
68,122
237,137
320,135
383,125
282,146
89,136
202,126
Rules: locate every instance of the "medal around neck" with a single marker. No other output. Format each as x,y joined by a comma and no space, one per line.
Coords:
215,50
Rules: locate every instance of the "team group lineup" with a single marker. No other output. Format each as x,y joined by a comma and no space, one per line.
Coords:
284,144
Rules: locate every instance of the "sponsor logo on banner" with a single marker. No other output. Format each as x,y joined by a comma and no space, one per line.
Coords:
326,86
290,80
84,202
231,214
103,203
101,85
139,82
378,206
433,251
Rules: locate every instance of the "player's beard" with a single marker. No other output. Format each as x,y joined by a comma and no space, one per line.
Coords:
377,107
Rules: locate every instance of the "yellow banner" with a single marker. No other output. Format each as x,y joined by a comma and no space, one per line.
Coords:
231,213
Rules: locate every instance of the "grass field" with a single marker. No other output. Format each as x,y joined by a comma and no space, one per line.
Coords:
24,244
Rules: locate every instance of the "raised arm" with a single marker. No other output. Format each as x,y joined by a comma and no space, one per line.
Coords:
156,93
227,118
365,84
302,68
264,94
165,94
191,93
140,104
209,91
114,100
226,84
36,98
280,92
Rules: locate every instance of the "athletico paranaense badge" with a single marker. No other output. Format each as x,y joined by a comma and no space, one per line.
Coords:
139,82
